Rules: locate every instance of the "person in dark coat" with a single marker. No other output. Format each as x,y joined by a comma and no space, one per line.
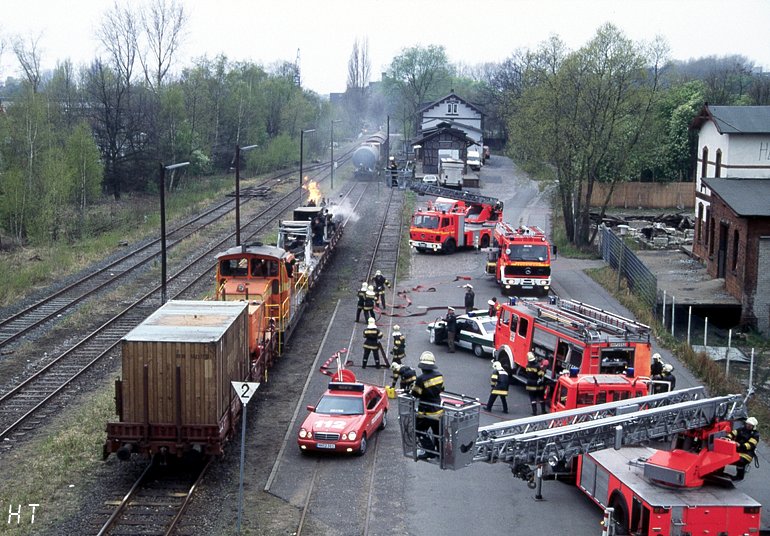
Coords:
427,389
379,282
369,300
656,365
470,297
500,382
372,336
399,345
747,438
405,374
666,376
535,376
361,302
451,329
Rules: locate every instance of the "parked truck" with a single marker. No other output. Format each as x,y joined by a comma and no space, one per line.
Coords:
450,173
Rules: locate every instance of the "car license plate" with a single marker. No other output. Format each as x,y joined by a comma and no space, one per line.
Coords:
325,445
528,287
423,245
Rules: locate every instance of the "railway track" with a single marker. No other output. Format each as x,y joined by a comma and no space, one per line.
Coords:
22,409
113,274
156,502
323,497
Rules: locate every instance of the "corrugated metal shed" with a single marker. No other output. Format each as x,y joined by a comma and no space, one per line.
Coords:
188,322
747,197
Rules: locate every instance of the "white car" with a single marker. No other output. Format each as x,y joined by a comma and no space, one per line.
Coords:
430,179
475,332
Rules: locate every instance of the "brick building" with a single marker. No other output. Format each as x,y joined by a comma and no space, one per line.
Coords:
732,204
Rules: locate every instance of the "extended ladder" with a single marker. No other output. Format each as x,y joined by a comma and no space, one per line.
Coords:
604,318
523,231
544,310
460,195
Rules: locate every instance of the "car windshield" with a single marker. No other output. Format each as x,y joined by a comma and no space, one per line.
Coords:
425,222
528,253
489,326
340,405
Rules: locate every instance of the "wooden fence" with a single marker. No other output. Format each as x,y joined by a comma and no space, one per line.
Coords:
630,195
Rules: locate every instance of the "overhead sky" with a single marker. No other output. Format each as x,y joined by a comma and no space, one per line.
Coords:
471,32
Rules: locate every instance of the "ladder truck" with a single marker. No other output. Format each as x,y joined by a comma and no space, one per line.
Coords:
521,259
570,335
454,220
645,491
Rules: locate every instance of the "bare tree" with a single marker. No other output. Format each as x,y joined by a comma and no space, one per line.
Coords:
163,25
119,35
28,55
359,69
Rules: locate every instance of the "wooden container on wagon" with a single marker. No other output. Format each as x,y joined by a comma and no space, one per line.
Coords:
175,393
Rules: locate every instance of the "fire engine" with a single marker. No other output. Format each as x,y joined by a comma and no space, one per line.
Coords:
644,491
521,258
455,219
570,335
573,390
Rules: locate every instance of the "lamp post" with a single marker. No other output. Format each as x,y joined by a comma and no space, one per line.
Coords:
162,188
332,148
301,156
238,150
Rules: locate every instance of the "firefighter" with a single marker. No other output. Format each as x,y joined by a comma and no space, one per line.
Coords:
499,382
361,302
451,328
469,298
747,438
393,169
666,376
492,311
656,366
405,373
372,336
380,282
427,389
369,300
399,345
535,383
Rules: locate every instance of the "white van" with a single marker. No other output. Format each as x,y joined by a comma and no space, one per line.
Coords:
474,160
450,173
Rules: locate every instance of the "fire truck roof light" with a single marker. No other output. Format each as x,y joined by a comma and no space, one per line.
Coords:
573,372
630,372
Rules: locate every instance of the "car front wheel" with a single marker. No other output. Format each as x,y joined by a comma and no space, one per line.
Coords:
478,351
362,448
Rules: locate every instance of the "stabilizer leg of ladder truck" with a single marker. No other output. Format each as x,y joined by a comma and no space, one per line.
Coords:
450,442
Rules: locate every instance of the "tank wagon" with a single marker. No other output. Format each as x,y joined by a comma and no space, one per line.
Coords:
368,158
175,394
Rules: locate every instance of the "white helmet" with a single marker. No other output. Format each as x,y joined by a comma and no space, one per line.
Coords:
363,286
656,357
370,287
395,367
497,366
427,360
752,421
396,328
668,367
372,323
490,302
530,357
377,273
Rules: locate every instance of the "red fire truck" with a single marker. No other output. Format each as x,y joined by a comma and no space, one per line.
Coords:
521,259
679,491
579,390
455,219
570,335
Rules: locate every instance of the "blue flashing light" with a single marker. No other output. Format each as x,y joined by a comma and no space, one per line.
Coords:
573,372
512,300
630,372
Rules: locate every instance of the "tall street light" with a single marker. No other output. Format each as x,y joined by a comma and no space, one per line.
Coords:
238,150
332,148
162,188
301,156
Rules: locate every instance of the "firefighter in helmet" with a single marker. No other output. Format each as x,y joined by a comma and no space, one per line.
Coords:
427,389
370,297
499,382
747,438
399,345
405,373
379,282
656,365
372,336
361,301
535,383
393,170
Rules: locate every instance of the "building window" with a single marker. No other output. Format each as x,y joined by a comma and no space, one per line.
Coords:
706,228
704,164
718,170
451,108
699,223
735,250
712,224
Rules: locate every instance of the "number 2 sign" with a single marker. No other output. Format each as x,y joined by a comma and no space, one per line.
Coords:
245,390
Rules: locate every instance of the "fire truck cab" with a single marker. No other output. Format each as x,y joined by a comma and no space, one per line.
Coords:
570,335
573,390
521,259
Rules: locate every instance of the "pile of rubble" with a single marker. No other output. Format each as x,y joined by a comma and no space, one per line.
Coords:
664,231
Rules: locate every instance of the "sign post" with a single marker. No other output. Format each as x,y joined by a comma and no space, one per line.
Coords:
245,391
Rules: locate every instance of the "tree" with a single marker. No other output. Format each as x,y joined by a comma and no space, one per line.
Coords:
163,28
415,75
359,68
28,56
83,161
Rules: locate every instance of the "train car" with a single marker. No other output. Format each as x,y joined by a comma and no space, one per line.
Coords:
369,158
175,393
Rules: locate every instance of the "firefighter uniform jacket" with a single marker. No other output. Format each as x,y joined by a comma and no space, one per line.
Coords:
372,338
747,441
361,298
500,382
369,302
406,374
535,378
379,283
399,347
428,388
